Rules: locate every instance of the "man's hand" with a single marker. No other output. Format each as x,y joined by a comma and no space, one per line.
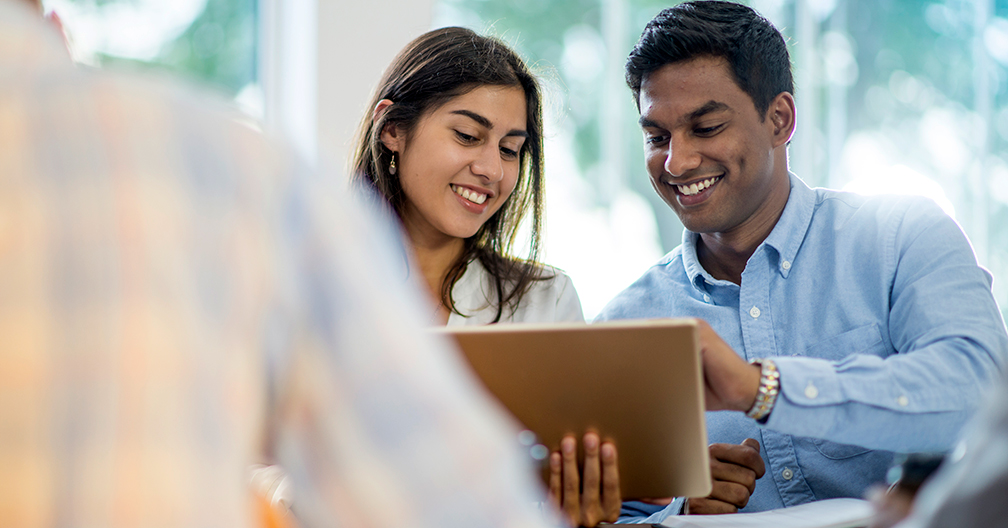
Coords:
600,499
734,469
730,383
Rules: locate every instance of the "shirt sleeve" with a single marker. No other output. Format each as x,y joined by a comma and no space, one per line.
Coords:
568,304
949,339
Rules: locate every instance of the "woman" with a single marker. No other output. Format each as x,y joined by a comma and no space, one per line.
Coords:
454,145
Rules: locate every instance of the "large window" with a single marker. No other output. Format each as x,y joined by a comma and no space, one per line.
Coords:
894,96
212,42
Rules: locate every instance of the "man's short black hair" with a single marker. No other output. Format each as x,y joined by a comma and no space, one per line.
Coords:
754,49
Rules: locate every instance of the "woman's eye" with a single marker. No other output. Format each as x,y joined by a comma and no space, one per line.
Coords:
465,138
507,153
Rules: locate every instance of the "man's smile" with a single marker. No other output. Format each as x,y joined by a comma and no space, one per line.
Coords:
697,187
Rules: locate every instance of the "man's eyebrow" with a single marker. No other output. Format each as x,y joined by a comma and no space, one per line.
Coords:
707,108
485,123
647,123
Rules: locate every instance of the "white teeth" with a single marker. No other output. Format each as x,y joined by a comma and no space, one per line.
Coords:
695,188
472,196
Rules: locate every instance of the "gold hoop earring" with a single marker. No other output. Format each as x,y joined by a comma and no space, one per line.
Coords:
392,166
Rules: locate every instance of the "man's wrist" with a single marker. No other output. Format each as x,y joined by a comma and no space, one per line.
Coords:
766,394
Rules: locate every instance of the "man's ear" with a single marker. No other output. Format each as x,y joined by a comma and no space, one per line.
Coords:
783,116
391,135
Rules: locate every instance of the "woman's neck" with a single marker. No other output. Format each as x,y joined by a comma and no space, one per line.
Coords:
432,258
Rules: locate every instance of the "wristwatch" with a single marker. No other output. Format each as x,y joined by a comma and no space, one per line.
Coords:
769,387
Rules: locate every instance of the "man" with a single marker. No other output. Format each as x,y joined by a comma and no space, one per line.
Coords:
872,328
179,300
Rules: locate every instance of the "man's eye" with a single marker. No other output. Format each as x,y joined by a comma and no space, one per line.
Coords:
655,140
706,131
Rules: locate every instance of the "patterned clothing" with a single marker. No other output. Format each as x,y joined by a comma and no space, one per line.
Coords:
178,300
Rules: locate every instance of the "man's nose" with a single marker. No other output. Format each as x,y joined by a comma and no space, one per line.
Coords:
682,156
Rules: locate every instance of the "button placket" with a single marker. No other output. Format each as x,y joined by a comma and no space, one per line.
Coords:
754,307
784,470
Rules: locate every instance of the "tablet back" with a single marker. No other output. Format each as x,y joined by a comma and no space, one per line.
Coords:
636,383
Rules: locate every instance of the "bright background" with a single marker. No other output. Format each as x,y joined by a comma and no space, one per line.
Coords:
894,96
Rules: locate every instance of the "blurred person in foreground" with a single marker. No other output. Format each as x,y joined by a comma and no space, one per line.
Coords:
970,488
839,328
179,300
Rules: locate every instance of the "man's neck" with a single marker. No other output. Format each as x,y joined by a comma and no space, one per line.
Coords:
725,255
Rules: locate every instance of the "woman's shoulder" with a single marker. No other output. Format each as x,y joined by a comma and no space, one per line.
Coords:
549,298
552,298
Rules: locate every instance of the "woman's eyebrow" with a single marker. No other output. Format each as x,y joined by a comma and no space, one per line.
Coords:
485,123
475,117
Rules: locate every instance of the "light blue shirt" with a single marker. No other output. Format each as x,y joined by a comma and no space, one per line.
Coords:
880,320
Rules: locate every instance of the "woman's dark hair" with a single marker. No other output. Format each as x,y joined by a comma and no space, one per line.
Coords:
754,49
427,73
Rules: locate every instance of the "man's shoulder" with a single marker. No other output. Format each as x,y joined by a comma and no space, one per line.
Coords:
652,294
859,211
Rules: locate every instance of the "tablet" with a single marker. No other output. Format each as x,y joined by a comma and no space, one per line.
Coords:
635,383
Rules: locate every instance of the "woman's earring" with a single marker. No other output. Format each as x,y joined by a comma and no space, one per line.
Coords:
391,165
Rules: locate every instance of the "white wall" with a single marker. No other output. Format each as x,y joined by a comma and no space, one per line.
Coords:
320,61
357,41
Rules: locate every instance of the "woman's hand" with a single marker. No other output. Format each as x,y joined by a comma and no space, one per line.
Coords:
599,500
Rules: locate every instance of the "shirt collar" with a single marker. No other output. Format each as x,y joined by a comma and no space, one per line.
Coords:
789,232
786,237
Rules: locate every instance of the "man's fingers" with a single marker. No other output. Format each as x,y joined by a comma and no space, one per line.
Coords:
759,466
729,492
611,498
734,473
571,481
739,454
704,506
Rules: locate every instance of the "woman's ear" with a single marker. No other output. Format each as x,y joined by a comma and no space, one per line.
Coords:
391,135
783,115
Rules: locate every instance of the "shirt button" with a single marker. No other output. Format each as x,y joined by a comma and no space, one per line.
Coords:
786,265
811,392
706,297
903,401
787,473
754,312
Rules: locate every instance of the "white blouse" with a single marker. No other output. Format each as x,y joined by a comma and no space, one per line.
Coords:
547,301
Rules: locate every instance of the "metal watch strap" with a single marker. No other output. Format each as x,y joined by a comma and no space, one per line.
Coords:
769,387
